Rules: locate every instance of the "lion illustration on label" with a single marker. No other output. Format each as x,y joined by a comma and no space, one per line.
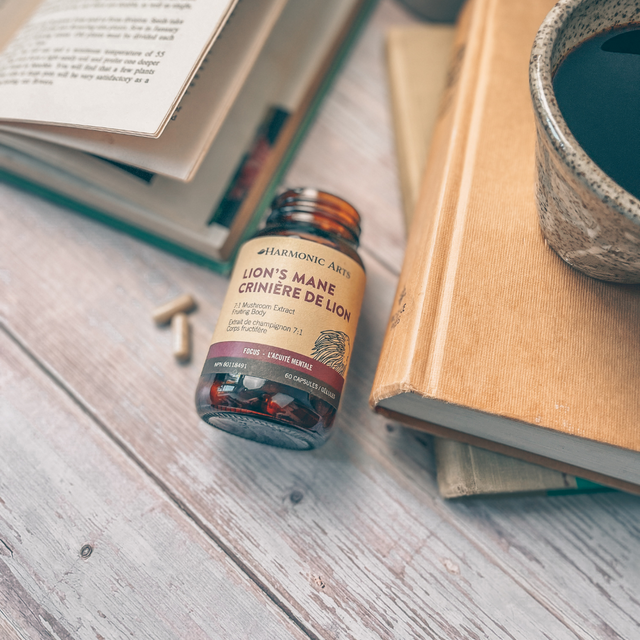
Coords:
333,348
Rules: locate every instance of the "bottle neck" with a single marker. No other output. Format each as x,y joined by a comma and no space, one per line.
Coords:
317,210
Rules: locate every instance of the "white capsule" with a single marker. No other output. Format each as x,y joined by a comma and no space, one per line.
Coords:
180,337
165,312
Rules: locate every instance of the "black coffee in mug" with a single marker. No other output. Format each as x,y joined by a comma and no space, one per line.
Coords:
597,87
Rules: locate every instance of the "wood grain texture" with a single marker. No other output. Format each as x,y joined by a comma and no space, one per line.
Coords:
352,539
7,630
90,547
577,554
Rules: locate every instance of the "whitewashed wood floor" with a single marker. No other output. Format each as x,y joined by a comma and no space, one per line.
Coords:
124,516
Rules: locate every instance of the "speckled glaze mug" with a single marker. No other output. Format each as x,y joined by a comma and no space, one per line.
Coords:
590,221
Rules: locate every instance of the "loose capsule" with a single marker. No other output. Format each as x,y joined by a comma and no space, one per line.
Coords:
180,337
164,313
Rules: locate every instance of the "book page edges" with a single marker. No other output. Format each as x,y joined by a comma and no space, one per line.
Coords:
464,470
263,188
563,467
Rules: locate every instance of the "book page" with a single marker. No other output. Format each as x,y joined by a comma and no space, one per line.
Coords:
285,65
201,112
13,14
106,64
301,37
287,73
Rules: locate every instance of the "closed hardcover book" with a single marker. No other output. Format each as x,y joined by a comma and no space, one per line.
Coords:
493,340
417,60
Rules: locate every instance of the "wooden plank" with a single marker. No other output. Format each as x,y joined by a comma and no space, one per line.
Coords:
341,535
576,555
7,630
90,547
352,537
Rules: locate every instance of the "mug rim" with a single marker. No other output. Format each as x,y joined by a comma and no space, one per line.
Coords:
549,117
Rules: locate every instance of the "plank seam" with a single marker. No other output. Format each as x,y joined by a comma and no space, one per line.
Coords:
164,488
432,503
7,547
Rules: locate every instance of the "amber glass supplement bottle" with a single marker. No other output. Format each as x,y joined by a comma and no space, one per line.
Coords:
281,349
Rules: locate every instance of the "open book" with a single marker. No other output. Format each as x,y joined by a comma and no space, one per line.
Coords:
170,119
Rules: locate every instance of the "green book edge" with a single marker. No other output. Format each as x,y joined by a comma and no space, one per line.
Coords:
582,486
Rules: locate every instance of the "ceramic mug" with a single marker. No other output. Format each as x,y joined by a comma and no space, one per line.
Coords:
590,221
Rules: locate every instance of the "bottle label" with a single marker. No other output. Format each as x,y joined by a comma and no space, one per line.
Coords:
290,315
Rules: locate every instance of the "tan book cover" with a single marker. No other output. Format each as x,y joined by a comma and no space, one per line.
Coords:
493,339
417,61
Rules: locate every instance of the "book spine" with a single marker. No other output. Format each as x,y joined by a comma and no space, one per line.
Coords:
405,134
411,337
464,470
417,64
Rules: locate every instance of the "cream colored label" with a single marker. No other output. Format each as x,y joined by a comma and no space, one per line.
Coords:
291,310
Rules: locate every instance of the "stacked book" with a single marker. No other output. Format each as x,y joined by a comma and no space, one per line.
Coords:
172,120
493,341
